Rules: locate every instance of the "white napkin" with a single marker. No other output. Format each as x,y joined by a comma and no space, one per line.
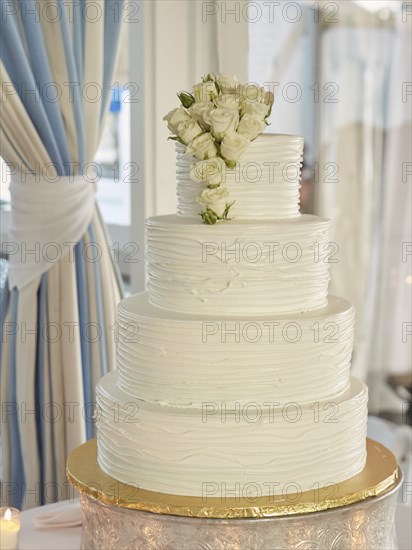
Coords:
60,515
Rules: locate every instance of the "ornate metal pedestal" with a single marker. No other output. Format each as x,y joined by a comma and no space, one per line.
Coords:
357,514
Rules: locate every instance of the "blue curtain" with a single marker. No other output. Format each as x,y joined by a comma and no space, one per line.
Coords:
27,35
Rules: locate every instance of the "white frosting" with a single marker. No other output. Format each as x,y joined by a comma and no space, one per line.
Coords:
184,360
264,184
238,267
199,452
195,409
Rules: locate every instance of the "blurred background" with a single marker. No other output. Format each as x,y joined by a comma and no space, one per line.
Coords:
341,75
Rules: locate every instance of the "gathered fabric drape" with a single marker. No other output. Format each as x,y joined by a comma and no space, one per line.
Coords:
57,60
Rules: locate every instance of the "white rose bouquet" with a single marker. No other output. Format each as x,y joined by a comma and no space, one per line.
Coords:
216,123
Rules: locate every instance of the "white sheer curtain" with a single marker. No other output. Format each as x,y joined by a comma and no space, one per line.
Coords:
367,135
389,299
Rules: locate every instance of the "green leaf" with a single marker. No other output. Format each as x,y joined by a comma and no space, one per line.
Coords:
209,217
230,163
186,99
270,108
226,211
176,138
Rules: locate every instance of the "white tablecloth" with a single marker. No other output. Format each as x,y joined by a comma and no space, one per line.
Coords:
33,538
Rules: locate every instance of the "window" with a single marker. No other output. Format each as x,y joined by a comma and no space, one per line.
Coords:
113,161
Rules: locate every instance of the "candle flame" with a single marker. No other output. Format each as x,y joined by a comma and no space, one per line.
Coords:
7,515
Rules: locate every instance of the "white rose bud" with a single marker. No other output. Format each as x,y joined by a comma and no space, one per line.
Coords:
209,172
258,110
174,118
188,130
253,92
200,113
227,83
202,147
228,101
223,121
215,199
233,146
251,127
204,91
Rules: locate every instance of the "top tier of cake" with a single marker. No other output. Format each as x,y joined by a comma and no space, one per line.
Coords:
264,184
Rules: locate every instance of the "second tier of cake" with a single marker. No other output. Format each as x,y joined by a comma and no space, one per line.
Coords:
239,267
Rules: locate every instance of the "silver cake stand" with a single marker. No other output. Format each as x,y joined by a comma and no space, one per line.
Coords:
357,514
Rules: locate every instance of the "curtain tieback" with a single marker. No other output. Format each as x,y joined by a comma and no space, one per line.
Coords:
48,218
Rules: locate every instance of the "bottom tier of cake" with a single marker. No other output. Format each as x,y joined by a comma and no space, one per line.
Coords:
260,448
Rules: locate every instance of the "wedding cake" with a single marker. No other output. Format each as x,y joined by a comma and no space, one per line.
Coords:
233,369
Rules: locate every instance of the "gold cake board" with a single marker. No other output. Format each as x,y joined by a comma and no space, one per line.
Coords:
379,476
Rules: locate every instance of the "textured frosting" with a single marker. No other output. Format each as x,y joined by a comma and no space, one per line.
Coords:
238,267
264,184
302,358
190,451
234,368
